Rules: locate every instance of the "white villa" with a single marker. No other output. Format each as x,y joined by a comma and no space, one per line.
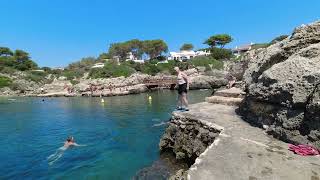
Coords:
130,57
186,55
242,49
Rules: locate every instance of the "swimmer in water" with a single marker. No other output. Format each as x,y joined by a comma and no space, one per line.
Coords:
70,142
59,152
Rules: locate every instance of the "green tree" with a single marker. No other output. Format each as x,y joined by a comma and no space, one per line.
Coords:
186,47
84,64
21,55
154,48
26,65
4,51
135,47
220,53
104,56
218,40
120,50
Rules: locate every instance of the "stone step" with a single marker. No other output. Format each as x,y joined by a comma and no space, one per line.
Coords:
230,101
232,92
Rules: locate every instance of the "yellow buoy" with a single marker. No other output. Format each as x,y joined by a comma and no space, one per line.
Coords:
102,100
150,98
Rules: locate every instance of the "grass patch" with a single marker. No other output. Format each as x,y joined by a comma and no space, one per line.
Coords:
207,61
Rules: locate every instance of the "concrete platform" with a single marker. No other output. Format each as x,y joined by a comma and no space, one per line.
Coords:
243,152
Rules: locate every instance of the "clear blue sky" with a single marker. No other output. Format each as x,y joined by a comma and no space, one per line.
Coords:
57,32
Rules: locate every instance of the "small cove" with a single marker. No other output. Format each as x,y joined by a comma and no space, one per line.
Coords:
121,135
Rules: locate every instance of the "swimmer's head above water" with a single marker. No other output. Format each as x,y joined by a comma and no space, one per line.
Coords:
70,139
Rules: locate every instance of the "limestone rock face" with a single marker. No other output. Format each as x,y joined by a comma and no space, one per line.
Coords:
5,91
187,138
236,68
207,82
57,86
282,84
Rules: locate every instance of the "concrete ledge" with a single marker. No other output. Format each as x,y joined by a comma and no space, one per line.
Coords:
243,152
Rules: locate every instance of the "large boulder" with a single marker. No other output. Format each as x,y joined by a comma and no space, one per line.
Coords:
282,84
236,68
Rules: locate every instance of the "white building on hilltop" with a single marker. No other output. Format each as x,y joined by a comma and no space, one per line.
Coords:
186,55
239,50
130,57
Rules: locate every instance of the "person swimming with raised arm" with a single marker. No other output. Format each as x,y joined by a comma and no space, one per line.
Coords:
70,142
59,152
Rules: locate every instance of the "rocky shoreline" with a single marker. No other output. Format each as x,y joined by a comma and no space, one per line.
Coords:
134,84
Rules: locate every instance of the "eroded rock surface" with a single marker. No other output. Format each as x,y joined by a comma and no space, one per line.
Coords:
187,138
282,84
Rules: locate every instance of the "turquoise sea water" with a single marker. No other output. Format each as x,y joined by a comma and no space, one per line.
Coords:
121,135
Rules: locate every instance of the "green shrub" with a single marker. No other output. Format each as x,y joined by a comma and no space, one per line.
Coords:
72,74
167,67
153,61
74,82
7,61
121,70
16,87
5,81
7,70
207,60
278,39
208,68
261,45
112,69
36,76
151,69
98,73
220,53
26,65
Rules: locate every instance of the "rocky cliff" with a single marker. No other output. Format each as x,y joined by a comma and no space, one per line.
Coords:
283,87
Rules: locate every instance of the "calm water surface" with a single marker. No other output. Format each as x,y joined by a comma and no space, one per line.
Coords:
121,135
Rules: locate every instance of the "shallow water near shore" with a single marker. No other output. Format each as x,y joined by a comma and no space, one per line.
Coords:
121,135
